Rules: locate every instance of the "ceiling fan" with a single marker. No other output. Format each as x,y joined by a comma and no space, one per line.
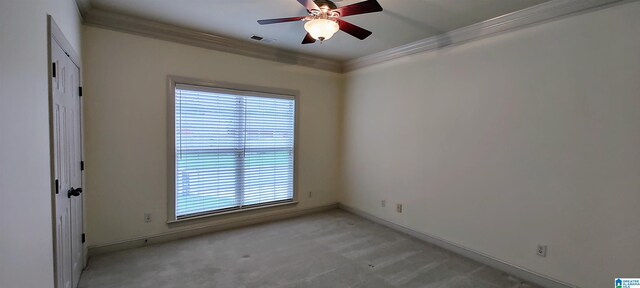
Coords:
324,19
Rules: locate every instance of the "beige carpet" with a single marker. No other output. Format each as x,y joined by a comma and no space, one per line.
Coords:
329,249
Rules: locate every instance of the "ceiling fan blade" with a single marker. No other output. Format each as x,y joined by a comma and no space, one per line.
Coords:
368,6
309,4
308,39
280,20
353,30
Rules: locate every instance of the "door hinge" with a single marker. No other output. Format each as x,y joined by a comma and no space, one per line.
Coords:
80,91
81,165
57,186
53,70
83,238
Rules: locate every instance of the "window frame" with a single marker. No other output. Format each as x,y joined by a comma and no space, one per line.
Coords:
236,89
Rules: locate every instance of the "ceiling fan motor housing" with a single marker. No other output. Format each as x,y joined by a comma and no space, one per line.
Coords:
327,3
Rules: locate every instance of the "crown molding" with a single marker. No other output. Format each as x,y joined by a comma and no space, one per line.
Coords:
548,11
153,29
537,14
84,6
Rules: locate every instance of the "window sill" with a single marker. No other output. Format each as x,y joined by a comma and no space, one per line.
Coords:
238,211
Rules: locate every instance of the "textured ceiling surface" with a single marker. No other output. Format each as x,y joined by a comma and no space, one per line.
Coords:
401,22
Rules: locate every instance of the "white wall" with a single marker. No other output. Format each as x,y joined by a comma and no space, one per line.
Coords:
126,127
26,247
528,137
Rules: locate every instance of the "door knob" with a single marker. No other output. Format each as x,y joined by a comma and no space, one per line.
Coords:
74,192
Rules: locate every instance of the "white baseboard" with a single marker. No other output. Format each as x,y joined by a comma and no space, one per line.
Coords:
488,260
520,272
170,236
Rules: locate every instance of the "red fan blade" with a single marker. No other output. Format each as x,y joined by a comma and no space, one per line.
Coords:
368,6
309,4
308,39
280,20
353,30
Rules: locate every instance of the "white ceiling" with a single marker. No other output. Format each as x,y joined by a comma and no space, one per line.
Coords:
401,22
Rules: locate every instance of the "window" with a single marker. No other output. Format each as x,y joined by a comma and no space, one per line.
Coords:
234,149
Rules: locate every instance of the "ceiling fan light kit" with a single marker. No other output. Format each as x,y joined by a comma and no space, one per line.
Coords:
321,29
324,20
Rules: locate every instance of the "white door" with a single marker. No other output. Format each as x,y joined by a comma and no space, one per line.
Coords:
67,147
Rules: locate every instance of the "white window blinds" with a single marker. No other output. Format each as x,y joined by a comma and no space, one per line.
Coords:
234,149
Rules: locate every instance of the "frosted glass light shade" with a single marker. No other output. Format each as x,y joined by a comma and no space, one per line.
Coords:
321,29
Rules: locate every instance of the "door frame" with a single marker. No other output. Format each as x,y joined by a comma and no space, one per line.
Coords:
54,34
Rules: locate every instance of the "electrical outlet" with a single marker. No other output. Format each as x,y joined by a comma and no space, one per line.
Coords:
542,250
310,194
147,217
383,203
399,208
